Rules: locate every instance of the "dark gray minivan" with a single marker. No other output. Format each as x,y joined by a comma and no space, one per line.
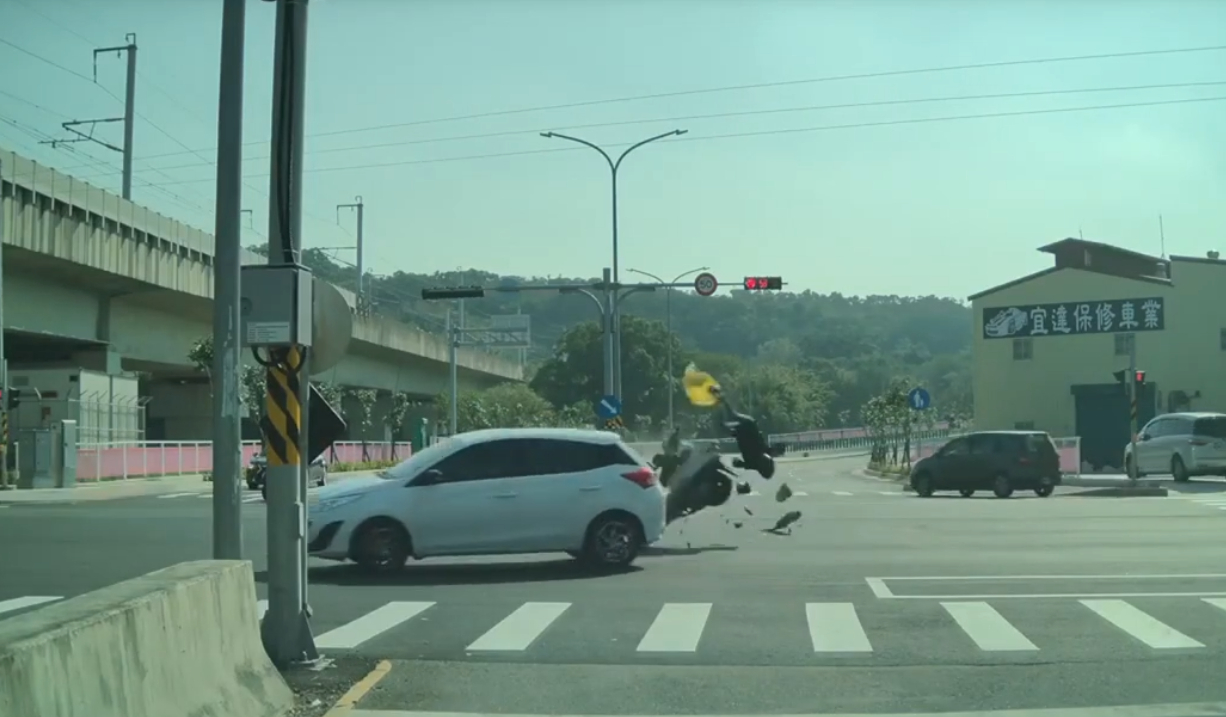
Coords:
1000,461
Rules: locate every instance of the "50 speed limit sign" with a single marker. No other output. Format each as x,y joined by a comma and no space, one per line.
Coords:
705,284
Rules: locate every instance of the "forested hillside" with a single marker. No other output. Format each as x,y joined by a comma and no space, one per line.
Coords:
795,359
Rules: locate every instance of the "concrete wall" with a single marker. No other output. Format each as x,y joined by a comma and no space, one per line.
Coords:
1188,355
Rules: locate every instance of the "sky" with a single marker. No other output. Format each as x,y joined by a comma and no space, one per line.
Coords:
783,170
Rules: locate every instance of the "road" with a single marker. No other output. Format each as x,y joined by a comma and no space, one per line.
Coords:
878,601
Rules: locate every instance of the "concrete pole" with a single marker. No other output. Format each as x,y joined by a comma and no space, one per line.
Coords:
1134,473
453,340
286,630
610,304
4,364
361,250
227,269
129,118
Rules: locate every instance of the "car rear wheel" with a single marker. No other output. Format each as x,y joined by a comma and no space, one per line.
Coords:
1178,470
967,492
1001,486
1046,487
923,485
613,541
381,545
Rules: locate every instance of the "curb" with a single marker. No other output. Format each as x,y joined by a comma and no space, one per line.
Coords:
1124,492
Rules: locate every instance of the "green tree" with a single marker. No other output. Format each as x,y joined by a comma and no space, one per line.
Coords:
575,371
251,387
507,405
397,412
363,402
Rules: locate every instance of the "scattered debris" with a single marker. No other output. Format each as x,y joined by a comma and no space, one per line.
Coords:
737,524
748,511
743,488
782,524
783,493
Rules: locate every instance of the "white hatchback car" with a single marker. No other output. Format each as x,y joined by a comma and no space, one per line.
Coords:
497,491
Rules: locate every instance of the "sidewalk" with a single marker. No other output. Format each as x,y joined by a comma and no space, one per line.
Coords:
130,488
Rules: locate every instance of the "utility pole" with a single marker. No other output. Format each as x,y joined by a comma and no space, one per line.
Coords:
128,119
286,628
1133,474
359,206
227,272
4,365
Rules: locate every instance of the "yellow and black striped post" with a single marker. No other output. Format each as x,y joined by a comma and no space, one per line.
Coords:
283,411
4,447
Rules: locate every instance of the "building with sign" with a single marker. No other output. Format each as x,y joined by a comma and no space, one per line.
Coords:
1047,345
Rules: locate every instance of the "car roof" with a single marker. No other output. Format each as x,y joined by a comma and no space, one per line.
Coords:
1007,433
1193,414
581,435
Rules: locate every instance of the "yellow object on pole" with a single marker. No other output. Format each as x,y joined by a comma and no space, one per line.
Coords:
700,387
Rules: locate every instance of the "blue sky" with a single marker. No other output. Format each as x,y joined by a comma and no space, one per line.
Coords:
943,207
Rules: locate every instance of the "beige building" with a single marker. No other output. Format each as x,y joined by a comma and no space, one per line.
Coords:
1047,345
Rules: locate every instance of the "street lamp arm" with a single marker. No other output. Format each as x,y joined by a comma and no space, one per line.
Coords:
584,142
648,274
684,274
595,299
631,148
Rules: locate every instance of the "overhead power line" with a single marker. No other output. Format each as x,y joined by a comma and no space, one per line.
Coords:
754,86
758,133
742,113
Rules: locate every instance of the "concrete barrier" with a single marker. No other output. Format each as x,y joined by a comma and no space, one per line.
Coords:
181,641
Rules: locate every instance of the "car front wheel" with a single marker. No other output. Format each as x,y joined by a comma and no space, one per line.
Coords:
381,545
923,485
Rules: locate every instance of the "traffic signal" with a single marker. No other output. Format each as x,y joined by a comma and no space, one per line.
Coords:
763,283
9,399
1140,378
452,292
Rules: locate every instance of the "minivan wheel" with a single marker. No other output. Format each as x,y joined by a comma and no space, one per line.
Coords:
381,545
1001,486
1045,488
613,541
923,485
1178,470
966,492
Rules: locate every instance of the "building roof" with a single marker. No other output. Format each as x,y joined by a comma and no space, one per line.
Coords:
1071,243
1085,244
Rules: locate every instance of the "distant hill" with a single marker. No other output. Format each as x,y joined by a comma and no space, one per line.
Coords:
855,344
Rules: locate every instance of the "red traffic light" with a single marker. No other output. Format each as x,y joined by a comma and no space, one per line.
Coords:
763,283
1140,377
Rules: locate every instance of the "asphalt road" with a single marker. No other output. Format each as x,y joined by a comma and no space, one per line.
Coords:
878,601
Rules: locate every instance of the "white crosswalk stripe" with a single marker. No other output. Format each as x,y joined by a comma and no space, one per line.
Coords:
874,629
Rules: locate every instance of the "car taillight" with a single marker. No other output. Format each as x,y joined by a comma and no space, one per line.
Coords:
643,477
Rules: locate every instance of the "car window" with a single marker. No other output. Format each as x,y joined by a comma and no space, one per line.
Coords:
486,461
1038,443
548,456
1210,427
983,444
956,447
418,462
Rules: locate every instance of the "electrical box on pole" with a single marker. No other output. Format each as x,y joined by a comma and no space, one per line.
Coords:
276,305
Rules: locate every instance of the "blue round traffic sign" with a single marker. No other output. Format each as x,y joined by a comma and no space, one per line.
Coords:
919,399
608,407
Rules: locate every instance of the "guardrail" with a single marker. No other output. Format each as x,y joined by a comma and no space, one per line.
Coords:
137,459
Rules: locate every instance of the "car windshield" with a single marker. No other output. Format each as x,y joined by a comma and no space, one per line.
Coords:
416,463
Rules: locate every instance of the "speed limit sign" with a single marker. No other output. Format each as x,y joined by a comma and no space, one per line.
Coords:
705,284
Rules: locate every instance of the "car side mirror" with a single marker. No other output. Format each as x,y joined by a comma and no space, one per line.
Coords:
1143,437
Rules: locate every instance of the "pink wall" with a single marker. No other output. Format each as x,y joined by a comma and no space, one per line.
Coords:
177,458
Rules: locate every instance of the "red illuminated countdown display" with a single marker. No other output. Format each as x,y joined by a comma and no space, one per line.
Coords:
763,283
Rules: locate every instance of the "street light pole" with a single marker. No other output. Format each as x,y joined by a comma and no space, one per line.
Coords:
614,165
668,322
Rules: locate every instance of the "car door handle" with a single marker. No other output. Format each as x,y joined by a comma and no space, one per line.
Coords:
506,495
590,488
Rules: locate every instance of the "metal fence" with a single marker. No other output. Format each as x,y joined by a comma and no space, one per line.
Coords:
121,419
139,459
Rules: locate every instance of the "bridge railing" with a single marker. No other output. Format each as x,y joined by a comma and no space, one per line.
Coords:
139,459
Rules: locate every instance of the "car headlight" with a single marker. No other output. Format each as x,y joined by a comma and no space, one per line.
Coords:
325,506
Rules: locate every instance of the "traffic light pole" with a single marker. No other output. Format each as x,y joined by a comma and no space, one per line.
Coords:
1133,472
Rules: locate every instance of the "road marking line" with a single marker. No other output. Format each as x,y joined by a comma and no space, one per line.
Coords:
879,588
1140,625
252,498
1216,602
677,628
359,690
178,495
521,628
800,493
989,630
834,627
261,609
841,492
889,492
371,624
22,602
752,494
